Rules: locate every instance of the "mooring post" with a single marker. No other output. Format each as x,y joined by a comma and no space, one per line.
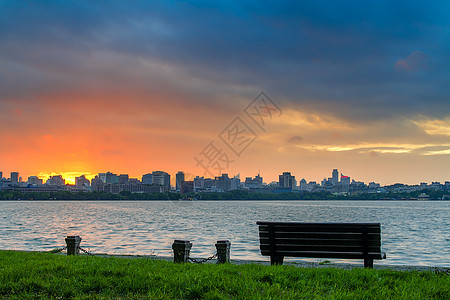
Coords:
181,250
73,244
223,251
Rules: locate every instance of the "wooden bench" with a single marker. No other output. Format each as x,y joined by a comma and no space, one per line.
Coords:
321,240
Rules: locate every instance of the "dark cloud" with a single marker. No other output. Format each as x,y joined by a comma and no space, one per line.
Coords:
317,55
294,140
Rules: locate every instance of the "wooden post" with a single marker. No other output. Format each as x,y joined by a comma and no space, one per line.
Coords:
223,251
181,250
73,244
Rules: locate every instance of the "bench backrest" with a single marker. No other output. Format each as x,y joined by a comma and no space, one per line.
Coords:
321,240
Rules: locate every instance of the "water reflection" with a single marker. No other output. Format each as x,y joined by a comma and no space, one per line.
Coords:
413,233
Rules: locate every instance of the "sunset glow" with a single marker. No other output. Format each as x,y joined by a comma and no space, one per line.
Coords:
80,94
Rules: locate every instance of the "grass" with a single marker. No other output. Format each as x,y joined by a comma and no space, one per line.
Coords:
35,275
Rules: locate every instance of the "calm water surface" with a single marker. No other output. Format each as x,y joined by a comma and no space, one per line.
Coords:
413,232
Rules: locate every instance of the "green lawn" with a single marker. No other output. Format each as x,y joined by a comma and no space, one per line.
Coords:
45,275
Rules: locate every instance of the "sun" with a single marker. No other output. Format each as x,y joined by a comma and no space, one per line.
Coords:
69,177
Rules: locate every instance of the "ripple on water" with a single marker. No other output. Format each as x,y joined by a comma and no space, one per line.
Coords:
413,233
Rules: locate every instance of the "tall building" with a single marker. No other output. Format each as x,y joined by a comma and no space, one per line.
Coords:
15,177
147,179
97,184
1,175
287,181
235,182
82,181
111,178
161,178
223,182
345,180
179,178
335,177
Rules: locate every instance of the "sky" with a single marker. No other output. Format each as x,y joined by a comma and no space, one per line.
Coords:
138,86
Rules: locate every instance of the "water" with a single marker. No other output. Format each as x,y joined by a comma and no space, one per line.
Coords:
413,232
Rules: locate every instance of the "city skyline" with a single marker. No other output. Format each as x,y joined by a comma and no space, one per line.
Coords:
335,176
362,87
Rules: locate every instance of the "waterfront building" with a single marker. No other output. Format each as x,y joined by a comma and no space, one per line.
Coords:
111,178
345,180
199,183
82,181
102,177
123,178
15,177
56,180
335,177
133,181
186,187
97,184
34,180
161,178
223,182
253,183
147,178
235,182
179,178
287,181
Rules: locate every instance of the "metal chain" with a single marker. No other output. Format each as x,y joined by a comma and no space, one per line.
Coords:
85,251
202,260
57,250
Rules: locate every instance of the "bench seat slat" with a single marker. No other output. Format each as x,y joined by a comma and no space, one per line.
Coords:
313,241
324,254
327,248
330,228
321,235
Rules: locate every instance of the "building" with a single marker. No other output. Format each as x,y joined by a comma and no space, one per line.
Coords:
147,179
97,184
335,177
179,178
199,183
82,181
186,187
56,180
223,182
345,180
123,178
287,181
111,178
1,175
15,177
253,183
34,180
235,182
161,178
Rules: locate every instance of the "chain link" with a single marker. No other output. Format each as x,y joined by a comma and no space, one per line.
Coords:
85,251
57,250
202,260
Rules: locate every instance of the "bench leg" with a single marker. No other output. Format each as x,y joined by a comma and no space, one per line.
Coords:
276,260
368,263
